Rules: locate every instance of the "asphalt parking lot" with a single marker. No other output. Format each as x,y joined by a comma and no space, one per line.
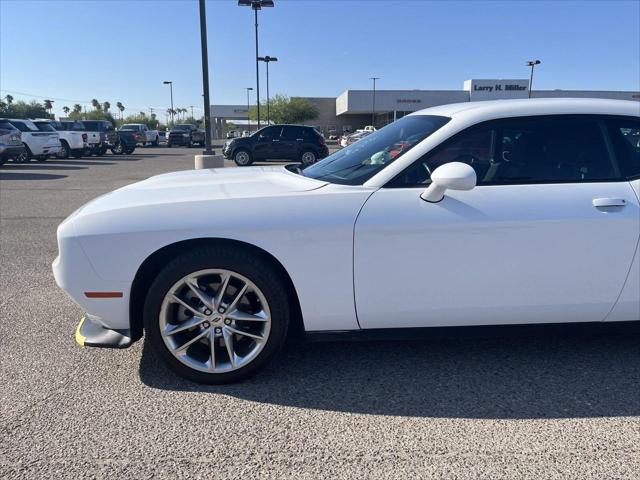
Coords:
542,406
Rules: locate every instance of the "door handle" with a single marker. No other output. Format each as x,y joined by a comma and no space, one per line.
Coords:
608,202
275,140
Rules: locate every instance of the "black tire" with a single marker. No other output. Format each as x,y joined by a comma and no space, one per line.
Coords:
42,158
155,142
308,157
242,157
3,160
25,156
64,150
129,150
168,145
101,151
77,153
118,149
251,266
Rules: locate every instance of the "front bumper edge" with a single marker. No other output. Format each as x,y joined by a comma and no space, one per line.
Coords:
90,333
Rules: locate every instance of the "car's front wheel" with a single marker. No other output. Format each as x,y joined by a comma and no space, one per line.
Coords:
217,314
242,158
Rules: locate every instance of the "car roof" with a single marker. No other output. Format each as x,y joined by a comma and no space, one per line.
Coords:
492,109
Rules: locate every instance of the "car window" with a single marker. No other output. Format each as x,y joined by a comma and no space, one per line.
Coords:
21,126
7,125
44,127
625,137
524,150
269,133
357,163
294,133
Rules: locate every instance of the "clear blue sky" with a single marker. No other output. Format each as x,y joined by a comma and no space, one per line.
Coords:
74,51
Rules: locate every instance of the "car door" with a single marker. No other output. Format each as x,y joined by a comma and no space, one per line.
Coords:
291,141
548,235
267,143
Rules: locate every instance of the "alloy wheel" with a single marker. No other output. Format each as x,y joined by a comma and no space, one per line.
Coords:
308,158
215,320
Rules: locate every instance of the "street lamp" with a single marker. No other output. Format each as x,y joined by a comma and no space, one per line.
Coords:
532,64
373,109
248,89
170,83
255,6
266,59
205,80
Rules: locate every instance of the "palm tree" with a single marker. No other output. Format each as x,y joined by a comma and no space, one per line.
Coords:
77,108
66,110
106,106
9,99
96,104
120,107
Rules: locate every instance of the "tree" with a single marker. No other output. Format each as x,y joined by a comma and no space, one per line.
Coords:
284,109
120,107
77,108
141,117
9,99
106,106
66,110
96,104
21,109
48,105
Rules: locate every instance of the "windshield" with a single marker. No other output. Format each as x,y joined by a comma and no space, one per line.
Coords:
361,160
129,127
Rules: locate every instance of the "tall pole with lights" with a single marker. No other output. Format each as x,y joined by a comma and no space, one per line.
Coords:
170,83
532,64
267,59
256,5
205,80
248,89
373,107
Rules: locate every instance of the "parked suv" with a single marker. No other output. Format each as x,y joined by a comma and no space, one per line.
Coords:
73,138
141,133
38,144
278,142
185,134
10,141
101,136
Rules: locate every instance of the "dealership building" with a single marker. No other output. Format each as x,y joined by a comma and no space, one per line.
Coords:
353,109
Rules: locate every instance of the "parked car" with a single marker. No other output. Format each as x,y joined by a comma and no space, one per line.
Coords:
354,137
100,136
125,143
11,144
246,133
162,137
186,135
73,138
231,134
278,142
496,212
142,133
39,144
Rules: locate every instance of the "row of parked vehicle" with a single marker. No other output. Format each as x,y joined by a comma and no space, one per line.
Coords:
23,140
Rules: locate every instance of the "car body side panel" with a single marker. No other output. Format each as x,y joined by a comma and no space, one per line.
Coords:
628,305
314,245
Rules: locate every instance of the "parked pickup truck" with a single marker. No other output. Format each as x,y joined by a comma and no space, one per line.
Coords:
73,138
185,134
100,136
39,143
10,141
143,134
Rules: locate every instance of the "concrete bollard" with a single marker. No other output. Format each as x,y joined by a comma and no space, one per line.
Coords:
209,161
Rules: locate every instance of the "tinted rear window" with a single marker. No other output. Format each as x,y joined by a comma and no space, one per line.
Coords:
21,126
6,125
44,127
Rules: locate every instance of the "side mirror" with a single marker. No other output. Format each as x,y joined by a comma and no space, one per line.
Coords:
450,176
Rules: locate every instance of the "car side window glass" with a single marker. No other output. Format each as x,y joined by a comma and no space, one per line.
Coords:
625,137
270,133
293,133
521,151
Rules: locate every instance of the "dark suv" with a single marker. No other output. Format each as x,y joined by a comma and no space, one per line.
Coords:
185,134
277,142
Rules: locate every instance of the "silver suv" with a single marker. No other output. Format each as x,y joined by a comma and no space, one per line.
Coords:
10,141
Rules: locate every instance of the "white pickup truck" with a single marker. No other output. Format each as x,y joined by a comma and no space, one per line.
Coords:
39,142
73,138
143,134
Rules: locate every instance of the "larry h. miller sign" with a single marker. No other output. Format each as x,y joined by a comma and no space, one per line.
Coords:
496,89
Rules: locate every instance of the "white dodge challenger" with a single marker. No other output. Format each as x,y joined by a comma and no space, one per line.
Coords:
487,213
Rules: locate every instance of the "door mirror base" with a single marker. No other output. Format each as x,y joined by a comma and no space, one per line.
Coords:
450,176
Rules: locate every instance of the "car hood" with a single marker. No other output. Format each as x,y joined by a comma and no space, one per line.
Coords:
204,185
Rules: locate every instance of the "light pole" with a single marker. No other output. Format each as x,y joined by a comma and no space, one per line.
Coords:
267,59
170,83
205,80
248,89
532,64
373,109
256,5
